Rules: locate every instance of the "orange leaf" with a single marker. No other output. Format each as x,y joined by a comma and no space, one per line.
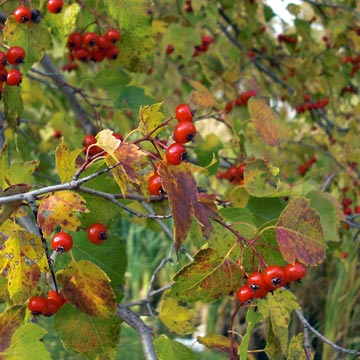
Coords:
58,209
201,96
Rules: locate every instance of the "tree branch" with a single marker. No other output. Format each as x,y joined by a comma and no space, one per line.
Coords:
144,332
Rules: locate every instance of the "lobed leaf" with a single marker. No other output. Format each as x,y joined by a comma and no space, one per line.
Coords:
217,342
150,118
300,234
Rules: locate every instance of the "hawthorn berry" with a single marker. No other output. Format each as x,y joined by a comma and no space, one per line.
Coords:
3,61
62,242
294,272
90,39
103,42
155,185
184,132
257,283
274,277
15,55
170,49
88,140
176,153
3,75
54,295
245,294
82,54
97,233
96,54
37,305
118,136
55,6
51,307
22,14
113,35
14,77
183,112
112,53
74,41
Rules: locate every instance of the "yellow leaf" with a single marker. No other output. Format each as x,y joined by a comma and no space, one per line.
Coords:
22,259
88,288
108,142
150,118
201,96
66,161
58,209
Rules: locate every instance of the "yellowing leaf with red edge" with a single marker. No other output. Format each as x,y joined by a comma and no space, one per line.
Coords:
22,259
201,95
59,209
218,342
66,161
300,234
10,320
88,288
208,278
150,118
106,141
267,125
8,208
185,201
129,173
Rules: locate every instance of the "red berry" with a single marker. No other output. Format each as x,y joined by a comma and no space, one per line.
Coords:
15,55
88,140
112,53
176,153
74,41
347,210
184,132
231,173
183,112
274,277
62,242
118,136
14,77
344,254
257,283
51,307
357,209
82,54
206,40
55,6
97,233
57,134
170,49
22,14
37,305
294,272
96,54
245,294
3,60
346,202
54,295
229,106
155,185
113,35
3,75
103,42
90,39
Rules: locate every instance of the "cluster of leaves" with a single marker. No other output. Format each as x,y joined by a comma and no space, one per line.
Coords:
273,216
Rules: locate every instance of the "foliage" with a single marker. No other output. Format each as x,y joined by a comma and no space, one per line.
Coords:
271,178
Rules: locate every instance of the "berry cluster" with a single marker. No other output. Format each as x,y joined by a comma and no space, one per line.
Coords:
287,39
235,174
259,284
39,305
311,105
347,210
176,152
349,89
14,56
92,47
63,242
303,168
204,46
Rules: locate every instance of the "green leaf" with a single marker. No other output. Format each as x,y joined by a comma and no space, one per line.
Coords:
326,206
167,349
252,318
205,151
132,97
90,336
208,278
218,342
296,348
299,233
13,105
35,39
150,118
112,80
268,13
260,178
183,322
27,340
